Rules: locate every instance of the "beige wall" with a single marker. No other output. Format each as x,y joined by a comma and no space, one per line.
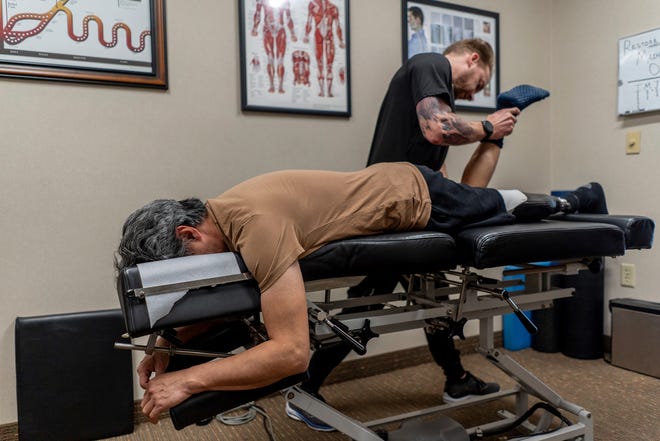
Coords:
588,137
77,159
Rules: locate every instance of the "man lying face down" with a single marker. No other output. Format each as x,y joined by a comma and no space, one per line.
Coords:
275,219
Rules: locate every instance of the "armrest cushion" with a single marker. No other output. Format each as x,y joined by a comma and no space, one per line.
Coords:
207,404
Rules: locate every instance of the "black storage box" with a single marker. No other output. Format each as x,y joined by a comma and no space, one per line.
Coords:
71,383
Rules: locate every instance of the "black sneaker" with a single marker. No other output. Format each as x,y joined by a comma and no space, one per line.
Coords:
590,199
296,413
467,388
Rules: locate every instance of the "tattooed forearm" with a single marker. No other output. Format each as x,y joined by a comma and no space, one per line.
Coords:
457,130
440,125
430,106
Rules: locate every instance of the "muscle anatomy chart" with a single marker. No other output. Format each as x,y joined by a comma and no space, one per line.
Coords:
295,54
112,35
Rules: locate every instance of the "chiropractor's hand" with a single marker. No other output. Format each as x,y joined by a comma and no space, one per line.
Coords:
164,391
503,122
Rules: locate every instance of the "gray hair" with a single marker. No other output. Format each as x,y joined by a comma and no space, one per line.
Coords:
150,233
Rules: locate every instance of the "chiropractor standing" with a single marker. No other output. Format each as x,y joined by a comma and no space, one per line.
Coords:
417,123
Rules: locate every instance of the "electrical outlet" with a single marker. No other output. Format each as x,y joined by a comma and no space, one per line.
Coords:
628,275
633,143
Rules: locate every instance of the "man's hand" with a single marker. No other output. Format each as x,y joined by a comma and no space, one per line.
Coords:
152,364
503,122
164,391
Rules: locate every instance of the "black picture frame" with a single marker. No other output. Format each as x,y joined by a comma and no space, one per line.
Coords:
445,23
286,71
119,43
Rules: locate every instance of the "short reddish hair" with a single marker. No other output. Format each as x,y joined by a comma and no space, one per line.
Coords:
469,45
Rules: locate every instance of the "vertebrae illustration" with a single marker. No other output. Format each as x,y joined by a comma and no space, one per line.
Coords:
14,37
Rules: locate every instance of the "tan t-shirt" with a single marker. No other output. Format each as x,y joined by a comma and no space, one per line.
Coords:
277,218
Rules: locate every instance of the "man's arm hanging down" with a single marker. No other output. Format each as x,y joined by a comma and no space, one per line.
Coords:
284,308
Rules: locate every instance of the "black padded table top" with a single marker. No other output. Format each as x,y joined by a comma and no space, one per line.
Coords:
539,241
395,253
565,237
638,230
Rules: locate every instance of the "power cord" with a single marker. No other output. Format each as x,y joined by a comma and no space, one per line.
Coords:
230,418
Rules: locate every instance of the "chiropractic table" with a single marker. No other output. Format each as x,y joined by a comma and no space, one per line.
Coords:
158,296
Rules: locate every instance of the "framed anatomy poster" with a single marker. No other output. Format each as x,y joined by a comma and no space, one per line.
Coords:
294,56
113,42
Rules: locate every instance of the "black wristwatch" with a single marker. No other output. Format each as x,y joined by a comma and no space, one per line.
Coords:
488,128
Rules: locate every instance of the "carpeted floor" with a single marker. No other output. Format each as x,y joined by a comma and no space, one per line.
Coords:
625,405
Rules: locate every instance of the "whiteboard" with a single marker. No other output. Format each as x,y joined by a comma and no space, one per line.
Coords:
639,73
